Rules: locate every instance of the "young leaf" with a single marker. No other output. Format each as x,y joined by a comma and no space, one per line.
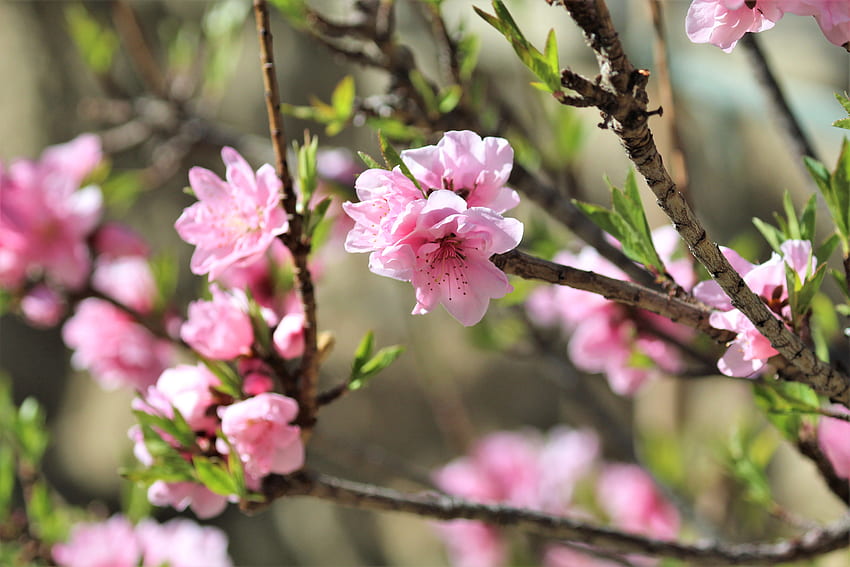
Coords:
214,476
382,359
363,352
771,234
342,98
96,44
393,159
370,162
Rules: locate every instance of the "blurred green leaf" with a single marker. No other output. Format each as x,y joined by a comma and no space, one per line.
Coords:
294,11
748,456
787,405
31,431
468,48
97,44
231,383
121,190
7,481
448,98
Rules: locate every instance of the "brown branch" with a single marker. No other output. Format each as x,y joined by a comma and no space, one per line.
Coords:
294,239
624,109
438,506
137,47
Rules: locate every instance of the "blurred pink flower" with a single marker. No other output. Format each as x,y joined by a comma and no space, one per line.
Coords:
446,256
473,544
189,388
45,217
475,169
563,556
113,348
235,221
629,496
219,329
567,456
111,543
182,495
288,336
126,279
834,441
182,543
114,240
259,430
42,306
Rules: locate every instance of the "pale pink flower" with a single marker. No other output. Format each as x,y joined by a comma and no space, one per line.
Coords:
190,389
563,556
446,256
259,430
473,544
724,22
221,328
111,543
42,306
235,221
264,278
126,279
45,217
567,456
833,17
629,496
114,240
181,495
475,169
834,441
113,348
288,336
182,543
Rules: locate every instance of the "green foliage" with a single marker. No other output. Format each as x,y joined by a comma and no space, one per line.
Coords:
367,365
335,115
97,44
748,455
121,190
308,177
294,11
845,102
791,226
627,223
230,382
393,159
835,188
468,49
214,474
787,405
221,25
544,65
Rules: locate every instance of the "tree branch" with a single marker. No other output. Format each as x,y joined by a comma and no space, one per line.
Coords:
443,507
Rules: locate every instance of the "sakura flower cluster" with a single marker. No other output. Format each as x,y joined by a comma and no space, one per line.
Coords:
116,542
724,22
257,426
605,336
440,235
524,469
748,353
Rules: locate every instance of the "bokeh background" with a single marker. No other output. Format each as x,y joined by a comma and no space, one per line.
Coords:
447,389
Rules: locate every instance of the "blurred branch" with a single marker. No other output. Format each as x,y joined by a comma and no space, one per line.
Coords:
137,47
620,93
810,544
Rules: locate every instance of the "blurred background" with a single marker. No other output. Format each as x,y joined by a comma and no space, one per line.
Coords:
453,384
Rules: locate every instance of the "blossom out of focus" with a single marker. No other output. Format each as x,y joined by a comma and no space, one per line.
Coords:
441,238
748,353
604,335
724,22
524,469
116,542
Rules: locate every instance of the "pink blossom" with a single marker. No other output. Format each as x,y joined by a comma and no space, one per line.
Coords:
257,383
259,430
567,456
724,22
190,389
182,543
633,502
473,544
563,556
219,329
45,217
182,495
462,162
115,240
235,221
446,256
288,336
111,543
42,306
266,278
117,351
834,441
128,280
833,17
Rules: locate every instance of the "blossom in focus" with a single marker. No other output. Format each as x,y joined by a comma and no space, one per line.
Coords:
748,353
45,217
474,168
221,328
189,389
181,495
834,441
234,221
117,543
113,348
629,496
446,256
259,431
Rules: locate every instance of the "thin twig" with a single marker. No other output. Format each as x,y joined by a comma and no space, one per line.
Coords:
810,544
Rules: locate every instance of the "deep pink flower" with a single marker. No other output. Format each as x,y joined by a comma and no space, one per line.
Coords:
259,430
45,217
111,543
475,169
114,349
219,329
724,22
834,441
182,495
42,306
633,502
182,543
235,221
446,256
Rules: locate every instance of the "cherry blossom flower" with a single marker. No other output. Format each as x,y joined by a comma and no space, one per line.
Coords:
288,336
181,495
235,221
259,430
219,329
115,240
724,22
111,543
631,499
126,279
42,306
113,348
475,169
45,217
834,441
189,388
446,256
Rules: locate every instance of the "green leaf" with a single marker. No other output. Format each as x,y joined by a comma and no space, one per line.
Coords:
134,501
771,234
231,383
448,98
807,292
342,98
317,215
748,459
787,405
808,219
214,476
369,161
31,431
818,172
429,97
177,428
97,44
839,199
842,123
382,359
793,231
393,159
550,53
601,216
7,481
845,102
294,11
363,352
394,128
468,48
825,250
308,178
